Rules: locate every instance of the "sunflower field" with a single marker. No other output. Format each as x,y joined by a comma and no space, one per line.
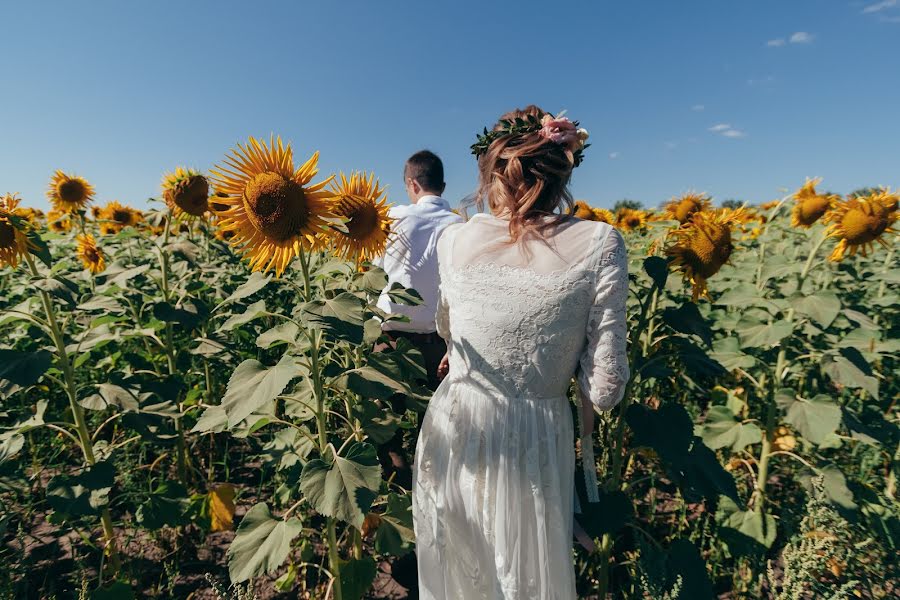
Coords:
192,406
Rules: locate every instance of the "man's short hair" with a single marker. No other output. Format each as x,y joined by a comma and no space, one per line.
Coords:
425,168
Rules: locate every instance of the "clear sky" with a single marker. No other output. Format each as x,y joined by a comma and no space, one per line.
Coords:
738,98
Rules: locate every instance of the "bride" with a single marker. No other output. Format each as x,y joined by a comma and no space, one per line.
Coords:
529,299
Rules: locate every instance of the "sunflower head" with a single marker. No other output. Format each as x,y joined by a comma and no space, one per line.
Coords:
683,208
861,221
272,208
186,193
809,206
361,203
114,217
90,254
703,246
59,221
69,193
14,225
583,210
629,219
603,215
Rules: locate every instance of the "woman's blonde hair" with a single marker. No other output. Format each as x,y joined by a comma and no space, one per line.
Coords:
525,177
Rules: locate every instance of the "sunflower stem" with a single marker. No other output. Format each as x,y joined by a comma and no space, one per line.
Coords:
84,436
180,446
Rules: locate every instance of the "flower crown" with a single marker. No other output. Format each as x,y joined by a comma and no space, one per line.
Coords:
557,129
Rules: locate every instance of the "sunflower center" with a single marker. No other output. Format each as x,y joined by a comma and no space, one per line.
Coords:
861,227
684,210
711,247
276,205
92,255
121,216
812,208
7,235
192,195
72,190
633,222
363,222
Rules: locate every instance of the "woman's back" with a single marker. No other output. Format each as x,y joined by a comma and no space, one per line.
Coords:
518,314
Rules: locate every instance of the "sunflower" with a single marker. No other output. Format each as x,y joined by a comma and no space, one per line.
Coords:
858,222
810,206
59,221
14,242
629,219
361,202
69,193
583,210
603,215
35,216
683,208
90,254
223,235
186,192
701,248
273,211
114,217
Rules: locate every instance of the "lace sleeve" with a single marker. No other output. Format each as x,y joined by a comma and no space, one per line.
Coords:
603,366
442,315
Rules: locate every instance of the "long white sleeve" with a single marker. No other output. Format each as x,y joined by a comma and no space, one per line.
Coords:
603,366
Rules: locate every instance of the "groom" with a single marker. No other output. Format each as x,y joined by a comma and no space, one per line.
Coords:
410,258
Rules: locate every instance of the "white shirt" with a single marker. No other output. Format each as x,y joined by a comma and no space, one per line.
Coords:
410,259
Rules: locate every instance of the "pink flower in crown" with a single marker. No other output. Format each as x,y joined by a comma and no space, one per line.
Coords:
560,130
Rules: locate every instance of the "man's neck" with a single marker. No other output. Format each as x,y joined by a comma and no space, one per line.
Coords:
425,195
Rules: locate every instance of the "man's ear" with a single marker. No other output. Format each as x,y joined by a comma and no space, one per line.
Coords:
414,186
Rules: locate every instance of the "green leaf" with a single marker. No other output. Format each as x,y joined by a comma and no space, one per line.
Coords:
687,319
254,283
814,418
357,576
254,311
373,281
261,545
609,515
370,383
742,295
395,534
110,394
343,486
165,507
340,317
186,315
82,494
378,422
39,247
755,334
253,384
285,333
286,582
849,368
401,295
835,484
745,532
19,370
288,447
823,307
727,352
722,430
657,269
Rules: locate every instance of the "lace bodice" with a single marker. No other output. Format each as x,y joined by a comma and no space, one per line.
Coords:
521,320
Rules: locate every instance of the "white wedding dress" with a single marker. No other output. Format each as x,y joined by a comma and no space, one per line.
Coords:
495,463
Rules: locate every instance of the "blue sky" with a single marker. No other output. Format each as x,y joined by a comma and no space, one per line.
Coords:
738,98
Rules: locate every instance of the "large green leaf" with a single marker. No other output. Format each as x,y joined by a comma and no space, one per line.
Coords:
82,494
261,545
757,334
378,422
340,317
722,430
850,369
822,307
285,333
110,394
815,418
369,382
687,319
373,280
401,295
165,506
657,269
727,352
610,514
395,534
254,311
288,447
253,384
19,370
254,283
357,576
745,532
343,486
